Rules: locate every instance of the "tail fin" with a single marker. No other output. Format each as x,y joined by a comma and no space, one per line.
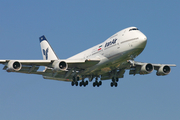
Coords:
47,51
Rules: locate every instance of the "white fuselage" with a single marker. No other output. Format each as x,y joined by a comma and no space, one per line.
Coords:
120,47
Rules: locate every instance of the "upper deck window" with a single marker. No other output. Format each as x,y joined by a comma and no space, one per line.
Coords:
133,29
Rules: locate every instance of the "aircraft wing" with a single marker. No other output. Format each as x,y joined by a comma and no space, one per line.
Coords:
31,66
146,68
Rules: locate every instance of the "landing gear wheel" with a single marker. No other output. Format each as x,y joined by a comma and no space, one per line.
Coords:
80,84
72,83
115,84
112,84
76,83
86,82
100,82
94,84
117,79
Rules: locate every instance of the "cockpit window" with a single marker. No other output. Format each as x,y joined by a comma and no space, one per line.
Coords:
133,29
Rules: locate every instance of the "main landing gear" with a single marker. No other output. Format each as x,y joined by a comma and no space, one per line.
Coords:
114,82
75,82
96,83
82,83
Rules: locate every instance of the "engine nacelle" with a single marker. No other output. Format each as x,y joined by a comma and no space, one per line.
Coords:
146,68
163,70
13,66
59,65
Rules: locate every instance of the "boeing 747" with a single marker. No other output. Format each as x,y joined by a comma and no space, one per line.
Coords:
106,61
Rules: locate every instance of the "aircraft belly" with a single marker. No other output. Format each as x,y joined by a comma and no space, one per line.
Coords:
116,61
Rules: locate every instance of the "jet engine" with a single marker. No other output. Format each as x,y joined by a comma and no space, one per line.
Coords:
163,70
59,65
13,66
146,69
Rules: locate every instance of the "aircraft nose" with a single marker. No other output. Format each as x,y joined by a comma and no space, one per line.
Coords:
142,41
144,38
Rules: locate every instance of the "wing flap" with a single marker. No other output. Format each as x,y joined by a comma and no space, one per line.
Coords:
82,64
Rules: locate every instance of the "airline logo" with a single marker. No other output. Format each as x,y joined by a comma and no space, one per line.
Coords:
100,47
45,52
112,42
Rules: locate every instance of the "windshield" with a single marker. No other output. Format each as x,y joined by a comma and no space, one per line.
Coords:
133,29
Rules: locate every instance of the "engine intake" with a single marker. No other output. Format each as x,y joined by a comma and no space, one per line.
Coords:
59,65
13,66
146,68
63,65
163,70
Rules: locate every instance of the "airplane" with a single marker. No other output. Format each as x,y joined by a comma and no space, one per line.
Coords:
106,61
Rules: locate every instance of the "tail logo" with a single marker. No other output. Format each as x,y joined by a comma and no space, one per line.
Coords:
45,52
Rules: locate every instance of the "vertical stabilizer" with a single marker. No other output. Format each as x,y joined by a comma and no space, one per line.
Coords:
47,51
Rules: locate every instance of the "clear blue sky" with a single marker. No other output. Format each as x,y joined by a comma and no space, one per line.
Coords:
73,26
